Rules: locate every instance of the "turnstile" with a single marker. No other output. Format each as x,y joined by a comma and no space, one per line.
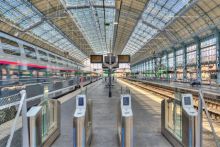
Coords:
189,121
82,122
44,123
125,122
179,121
34,116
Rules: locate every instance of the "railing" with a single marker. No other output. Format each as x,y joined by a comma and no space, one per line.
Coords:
182,129
11,130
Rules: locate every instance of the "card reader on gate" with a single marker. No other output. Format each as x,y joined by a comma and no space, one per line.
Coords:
80,106
126,105
187,104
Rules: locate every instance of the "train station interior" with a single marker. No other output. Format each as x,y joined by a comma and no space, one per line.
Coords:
109,73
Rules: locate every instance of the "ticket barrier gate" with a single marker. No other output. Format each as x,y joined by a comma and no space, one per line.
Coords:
82,122
189,121
125,122
44,123
179,121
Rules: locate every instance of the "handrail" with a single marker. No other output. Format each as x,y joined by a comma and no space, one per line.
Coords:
33,98
23,107
209,118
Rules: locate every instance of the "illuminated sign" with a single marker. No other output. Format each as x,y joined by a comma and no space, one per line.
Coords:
96,58
123,58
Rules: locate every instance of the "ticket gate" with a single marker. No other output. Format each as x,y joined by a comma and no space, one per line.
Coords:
34,116
189,121
179,121
125,121
82,122
44,123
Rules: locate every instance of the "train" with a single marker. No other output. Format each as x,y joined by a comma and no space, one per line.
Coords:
24,66
20,60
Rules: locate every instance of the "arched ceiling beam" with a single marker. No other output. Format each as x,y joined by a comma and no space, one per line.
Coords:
69,7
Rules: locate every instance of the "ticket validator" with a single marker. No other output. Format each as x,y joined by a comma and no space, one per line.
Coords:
82,122
79,133
189,120
125,122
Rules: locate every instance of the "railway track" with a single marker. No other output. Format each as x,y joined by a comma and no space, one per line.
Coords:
213,106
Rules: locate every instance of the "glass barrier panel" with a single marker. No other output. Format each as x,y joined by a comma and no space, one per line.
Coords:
173,119
178,121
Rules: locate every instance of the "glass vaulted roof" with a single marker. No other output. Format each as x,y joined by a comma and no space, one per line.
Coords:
154,18
25,15
96,27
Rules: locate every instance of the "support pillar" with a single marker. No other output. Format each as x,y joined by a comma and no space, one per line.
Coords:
167,65
198,58
184,63
217,35
174,64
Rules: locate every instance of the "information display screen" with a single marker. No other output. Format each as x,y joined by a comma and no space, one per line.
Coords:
107,59
80,101
125,101
124,58
96,58
187,100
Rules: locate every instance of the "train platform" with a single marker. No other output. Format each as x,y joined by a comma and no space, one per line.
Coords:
207,132
147,118
212,90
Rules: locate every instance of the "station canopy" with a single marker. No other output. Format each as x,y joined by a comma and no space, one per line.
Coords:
84,27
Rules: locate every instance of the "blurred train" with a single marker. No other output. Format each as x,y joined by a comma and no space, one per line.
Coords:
20,60
25,66
22,63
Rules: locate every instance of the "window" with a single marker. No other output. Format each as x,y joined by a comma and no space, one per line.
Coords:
209,42
10,47
208,54
59,61
191,54
43,56
52,59
191,58
170,60
66,63
208,50
179,57
30,52
164,61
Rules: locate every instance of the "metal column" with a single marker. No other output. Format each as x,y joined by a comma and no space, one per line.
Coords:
184,62
217,35
167,65
198,58
174,64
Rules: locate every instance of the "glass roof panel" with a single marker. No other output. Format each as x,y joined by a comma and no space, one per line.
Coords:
77,2
18,12
156,15
94,2
24,15
91,21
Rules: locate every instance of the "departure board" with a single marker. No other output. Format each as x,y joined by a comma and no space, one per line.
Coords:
125,101
96,58
187,100
123,58
80,101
